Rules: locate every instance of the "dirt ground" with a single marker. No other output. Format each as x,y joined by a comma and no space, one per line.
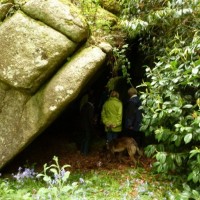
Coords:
44,148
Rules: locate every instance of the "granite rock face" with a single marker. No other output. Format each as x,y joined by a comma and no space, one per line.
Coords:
60,15
31,51
43,67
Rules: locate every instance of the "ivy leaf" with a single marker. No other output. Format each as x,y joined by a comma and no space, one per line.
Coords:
195,70
188,138
178,141
197,62
178,160
190,177
187,106
161,157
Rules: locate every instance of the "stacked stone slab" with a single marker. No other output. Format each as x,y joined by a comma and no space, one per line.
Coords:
42,69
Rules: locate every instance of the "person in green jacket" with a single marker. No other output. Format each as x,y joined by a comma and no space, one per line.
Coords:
111,116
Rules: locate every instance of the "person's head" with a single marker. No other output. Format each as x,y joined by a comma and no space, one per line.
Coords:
132,91
114,94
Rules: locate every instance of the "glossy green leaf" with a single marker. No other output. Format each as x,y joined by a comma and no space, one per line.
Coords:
188,138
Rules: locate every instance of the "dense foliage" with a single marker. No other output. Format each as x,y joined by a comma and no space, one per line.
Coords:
169,36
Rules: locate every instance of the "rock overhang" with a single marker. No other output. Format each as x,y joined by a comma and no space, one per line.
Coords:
42,71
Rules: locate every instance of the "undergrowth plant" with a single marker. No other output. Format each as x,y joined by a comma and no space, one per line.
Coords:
125,183
51,184
121,62
56,179
172,110
168,35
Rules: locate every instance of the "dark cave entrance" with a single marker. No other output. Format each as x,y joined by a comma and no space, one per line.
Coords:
62,135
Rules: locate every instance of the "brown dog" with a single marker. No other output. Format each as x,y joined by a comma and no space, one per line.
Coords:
124,143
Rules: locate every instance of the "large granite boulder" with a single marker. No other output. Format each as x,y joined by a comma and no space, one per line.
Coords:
111,5
24,117
31,51
60,15
43,67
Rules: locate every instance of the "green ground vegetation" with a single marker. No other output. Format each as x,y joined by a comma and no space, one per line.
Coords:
57,183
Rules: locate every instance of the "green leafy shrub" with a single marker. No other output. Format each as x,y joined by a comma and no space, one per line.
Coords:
172,111
121,62
169,37
171,102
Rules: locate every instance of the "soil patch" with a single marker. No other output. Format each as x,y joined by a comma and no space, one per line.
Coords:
43,150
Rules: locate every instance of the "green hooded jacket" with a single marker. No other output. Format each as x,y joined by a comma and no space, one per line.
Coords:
111,114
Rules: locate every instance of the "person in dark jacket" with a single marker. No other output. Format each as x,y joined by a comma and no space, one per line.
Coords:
133,117
87,121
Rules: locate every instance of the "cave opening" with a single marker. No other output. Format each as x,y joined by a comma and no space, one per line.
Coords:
60,138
